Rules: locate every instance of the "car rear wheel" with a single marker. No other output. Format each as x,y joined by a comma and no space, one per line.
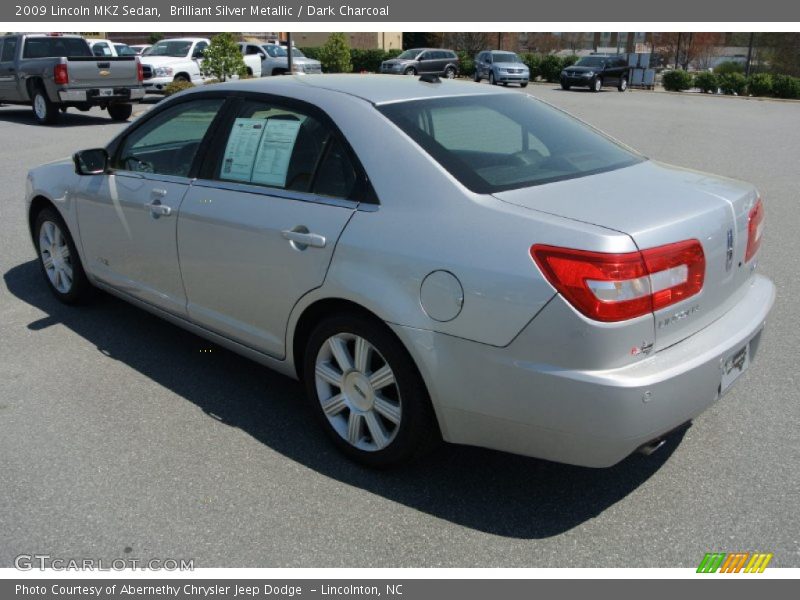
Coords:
59,260
367,392
450,73
45,111
623,84
120,112
597,84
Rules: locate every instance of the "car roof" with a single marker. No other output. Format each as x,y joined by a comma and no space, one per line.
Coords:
376,89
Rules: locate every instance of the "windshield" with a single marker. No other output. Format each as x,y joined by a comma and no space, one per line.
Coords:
497,142
591,61
507,57
124,50
409,54
47,47
175,48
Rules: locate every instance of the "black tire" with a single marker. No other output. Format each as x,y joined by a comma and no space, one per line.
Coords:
182,77
476,78
565,86
597,84
450,73
410,71
417,432
524,84
80,289
120,112
44,111
623,84
492,80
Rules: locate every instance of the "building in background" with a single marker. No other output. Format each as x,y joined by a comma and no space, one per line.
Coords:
364,40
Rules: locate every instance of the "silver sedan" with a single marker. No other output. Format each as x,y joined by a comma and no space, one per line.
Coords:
434,260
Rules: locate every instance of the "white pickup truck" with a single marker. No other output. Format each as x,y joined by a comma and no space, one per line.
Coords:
179,59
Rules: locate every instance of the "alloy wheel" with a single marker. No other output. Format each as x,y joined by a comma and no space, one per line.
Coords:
40,107
55,256
358,392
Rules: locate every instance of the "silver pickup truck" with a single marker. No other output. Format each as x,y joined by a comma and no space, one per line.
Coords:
52,72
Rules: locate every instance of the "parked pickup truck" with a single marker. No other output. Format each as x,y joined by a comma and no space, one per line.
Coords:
52,72
180,59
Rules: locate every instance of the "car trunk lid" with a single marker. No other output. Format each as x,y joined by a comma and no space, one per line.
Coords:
656,205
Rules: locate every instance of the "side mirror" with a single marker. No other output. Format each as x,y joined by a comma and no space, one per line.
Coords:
91,162
197,54
262,56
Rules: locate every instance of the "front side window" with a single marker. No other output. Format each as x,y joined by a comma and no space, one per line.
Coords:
409,54
284,148
497,142
168,143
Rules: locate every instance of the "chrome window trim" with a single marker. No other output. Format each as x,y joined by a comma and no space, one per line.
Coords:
262,190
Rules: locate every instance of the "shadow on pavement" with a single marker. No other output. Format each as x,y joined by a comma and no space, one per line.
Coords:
498,493
23,115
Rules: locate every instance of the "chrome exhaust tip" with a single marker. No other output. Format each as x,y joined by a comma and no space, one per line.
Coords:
651,447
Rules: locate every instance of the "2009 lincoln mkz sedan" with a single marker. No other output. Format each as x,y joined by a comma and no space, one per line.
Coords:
432,259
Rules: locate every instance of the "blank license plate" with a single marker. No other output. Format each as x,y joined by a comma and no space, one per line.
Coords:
106,92
734,365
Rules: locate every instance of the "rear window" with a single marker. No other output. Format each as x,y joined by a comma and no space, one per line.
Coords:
46,47
492,143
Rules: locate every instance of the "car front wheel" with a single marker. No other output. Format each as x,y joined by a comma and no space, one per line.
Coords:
367,392
623,84
410,71
597,84
59,259
492,80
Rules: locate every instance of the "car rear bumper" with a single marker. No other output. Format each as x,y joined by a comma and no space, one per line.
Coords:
493,397
101,95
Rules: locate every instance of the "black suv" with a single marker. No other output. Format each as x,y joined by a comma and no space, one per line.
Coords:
419,61
595,72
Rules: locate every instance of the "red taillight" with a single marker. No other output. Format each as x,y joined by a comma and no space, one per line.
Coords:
60,74
139,70
755,228
615,287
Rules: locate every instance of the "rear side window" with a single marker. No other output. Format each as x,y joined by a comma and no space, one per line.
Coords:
101,49
280,147
48,47
168,143
9,50
498,142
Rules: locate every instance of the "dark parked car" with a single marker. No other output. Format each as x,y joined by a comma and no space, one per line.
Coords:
418,61
596,72
501,67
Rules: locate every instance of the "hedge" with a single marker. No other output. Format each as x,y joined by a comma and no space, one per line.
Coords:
760,84
707,82
676,81
732,83
786,86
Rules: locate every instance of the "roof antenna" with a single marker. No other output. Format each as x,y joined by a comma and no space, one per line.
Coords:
430,78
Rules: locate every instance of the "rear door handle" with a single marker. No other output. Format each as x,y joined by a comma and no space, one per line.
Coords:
303,238
159,210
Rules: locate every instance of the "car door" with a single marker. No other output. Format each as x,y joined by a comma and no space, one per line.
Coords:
427,64
257,230
127,217
8,72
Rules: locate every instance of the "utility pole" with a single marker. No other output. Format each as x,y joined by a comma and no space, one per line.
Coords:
678,50
749,55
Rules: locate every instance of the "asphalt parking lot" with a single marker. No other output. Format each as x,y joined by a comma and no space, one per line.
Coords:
122,436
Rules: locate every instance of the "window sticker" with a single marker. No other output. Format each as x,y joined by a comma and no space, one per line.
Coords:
240,153
275,151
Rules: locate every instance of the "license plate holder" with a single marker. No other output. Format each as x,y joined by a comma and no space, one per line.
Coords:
733,366
105,92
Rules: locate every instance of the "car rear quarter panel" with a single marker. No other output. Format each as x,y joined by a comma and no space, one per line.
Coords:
427,221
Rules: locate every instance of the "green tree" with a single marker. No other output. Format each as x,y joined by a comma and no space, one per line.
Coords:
335,54
223,59
155,37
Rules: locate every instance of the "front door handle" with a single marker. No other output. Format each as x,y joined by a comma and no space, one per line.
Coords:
159,210
301,238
